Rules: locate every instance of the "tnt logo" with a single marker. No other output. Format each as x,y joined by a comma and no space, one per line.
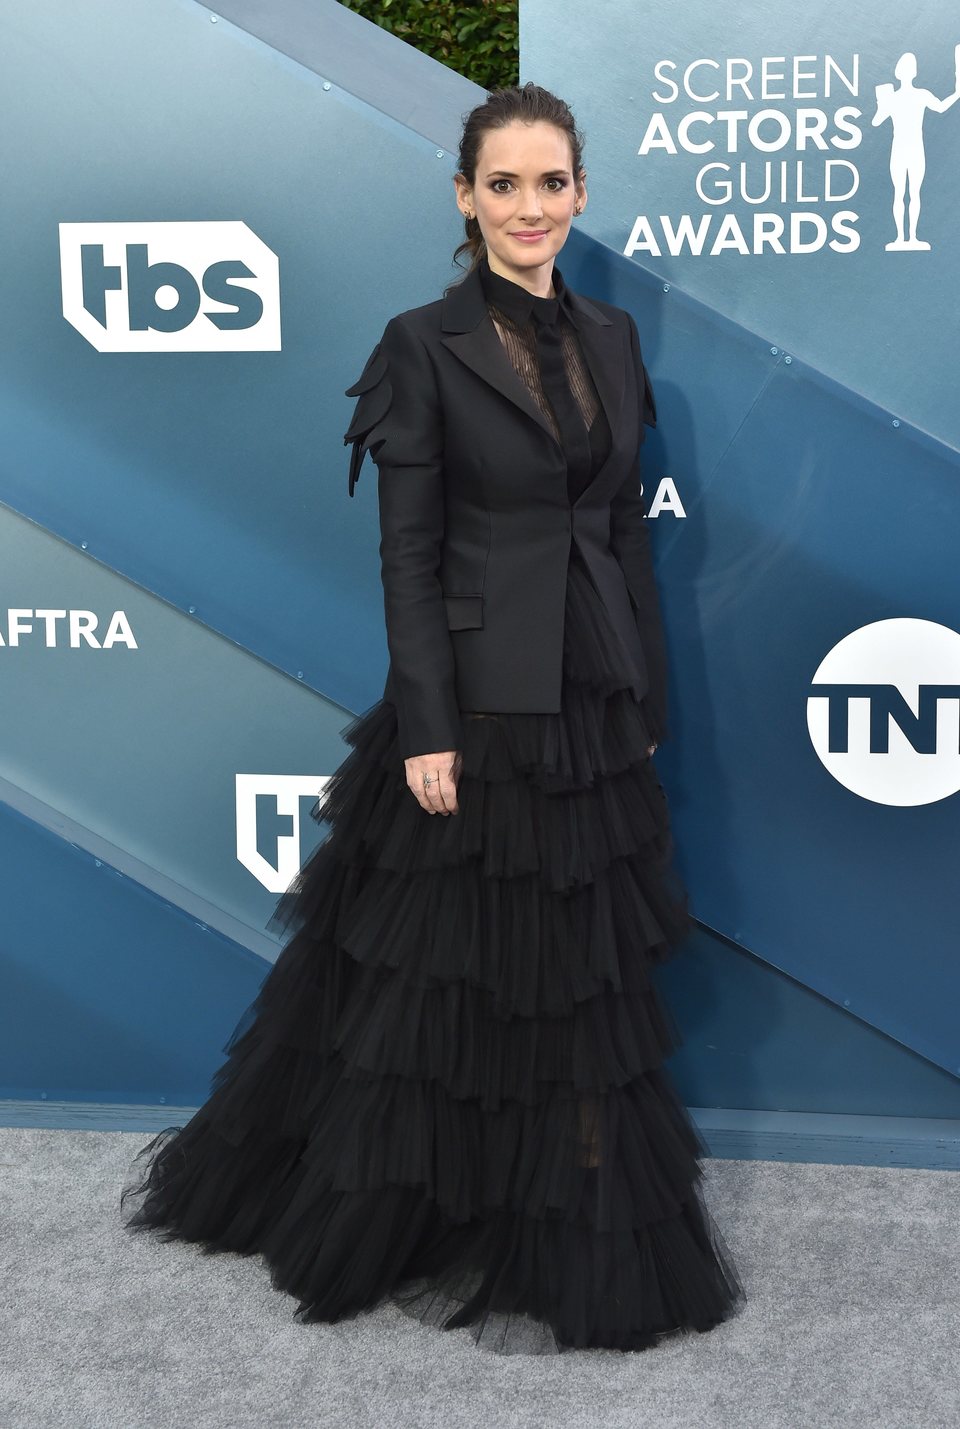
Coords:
170,287
884,712
269,808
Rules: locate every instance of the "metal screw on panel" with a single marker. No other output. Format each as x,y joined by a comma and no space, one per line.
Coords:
896,422
326,84
846,1002
774,350
83,545
788,359
666,287
439,153
299,674
214,19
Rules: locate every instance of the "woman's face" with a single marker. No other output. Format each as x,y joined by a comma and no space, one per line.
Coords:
524,184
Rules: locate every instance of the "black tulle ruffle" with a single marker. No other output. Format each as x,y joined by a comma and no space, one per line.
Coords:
449,1091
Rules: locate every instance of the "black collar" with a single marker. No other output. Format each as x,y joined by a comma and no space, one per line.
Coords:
463,308
518,302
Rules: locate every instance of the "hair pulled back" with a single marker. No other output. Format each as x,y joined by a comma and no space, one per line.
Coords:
527,103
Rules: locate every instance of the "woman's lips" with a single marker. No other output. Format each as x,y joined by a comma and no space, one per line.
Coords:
530,237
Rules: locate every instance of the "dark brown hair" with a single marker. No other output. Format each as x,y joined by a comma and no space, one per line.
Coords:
528,103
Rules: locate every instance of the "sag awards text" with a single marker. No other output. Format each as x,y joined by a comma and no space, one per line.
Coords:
778,136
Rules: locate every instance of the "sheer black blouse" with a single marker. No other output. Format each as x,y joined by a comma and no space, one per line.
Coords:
511,306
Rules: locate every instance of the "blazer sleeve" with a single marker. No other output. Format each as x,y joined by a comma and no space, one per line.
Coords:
398,418
630,543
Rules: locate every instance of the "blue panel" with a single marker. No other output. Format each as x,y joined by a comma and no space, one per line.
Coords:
820,518
877,320
755,1038
802,513
367,61
160,732
216,479
108,993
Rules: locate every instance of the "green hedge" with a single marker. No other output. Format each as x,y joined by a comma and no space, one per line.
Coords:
480,40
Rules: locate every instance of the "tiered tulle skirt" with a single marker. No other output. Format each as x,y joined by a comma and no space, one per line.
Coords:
449,1092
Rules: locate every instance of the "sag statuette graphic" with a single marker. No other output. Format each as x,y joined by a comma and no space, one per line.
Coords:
906,109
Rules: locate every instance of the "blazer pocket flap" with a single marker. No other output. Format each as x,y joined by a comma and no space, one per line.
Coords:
464,612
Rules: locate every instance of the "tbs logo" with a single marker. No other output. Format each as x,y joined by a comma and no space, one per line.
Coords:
170,287
883,712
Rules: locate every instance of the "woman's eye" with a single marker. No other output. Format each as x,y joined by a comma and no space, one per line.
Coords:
497,182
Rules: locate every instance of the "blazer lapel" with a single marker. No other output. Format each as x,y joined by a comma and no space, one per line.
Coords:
482,351
469,333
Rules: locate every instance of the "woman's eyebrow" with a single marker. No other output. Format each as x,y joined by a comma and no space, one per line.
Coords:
505,174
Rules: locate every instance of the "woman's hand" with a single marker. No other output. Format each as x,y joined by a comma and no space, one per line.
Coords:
439,796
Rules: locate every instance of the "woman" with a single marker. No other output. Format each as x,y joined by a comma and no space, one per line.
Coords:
449,1090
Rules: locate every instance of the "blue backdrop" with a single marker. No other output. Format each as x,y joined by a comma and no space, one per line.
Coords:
208,219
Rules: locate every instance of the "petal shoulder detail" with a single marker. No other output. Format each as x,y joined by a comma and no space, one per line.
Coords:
375,393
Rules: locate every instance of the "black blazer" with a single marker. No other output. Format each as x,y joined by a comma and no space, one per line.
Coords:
476,522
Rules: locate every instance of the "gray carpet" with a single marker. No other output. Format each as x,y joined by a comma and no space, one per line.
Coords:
852,1319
